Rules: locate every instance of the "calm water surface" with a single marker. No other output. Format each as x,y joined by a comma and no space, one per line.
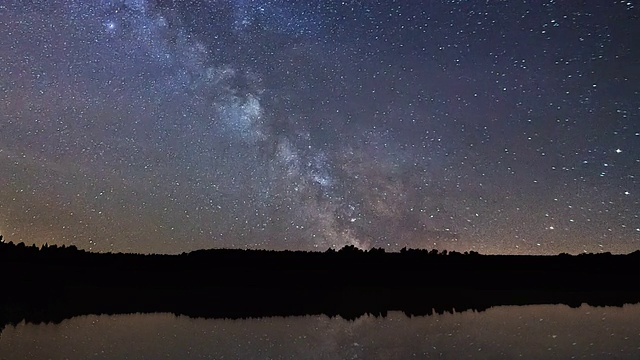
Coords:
527,332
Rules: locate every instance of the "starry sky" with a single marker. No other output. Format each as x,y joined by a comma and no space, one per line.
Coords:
171,125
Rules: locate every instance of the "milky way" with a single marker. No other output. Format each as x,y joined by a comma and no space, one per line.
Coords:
167,126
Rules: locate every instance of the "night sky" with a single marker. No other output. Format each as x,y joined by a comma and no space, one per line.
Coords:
172,125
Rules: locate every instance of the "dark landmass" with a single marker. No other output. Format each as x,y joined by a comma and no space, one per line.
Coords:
52,283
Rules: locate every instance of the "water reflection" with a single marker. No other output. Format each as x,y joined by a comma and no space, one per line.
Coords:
530,332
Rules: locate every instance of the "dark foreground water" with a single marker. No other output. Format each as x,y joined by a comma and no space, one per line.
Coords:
525,332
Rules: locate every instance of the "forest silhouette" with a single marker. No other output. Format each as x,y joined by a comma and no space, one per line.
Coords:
52,283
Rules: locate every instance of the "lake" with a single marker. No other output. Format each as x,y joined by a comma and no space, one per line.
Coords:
506,332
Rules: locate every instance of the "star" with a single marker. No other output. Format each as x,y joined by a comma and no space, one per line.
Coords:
110,25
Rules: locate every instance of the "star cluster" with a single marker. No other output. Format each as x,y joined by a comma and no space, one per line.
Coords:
167,126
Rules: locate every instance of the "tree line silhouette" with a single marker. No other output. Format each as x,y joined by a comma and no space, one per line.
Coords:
51,283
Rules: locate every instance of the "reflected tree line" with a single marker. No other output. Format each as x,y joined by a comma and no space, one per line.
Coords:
51,283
